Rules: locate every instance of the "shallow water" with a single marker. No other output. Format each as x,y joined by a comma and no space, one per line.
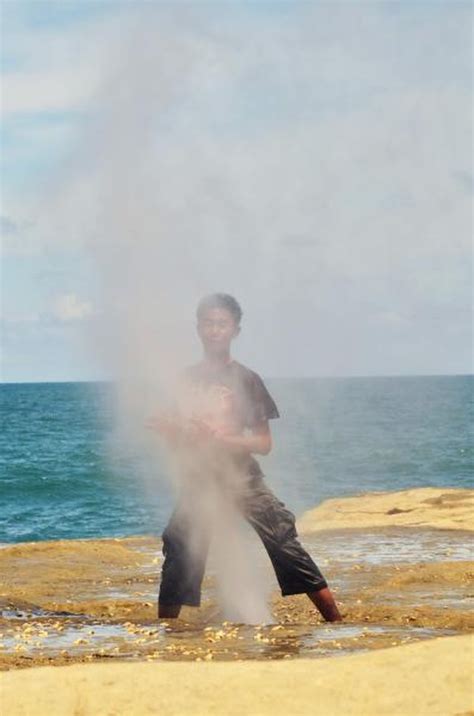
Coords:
390,546
183,641
395,586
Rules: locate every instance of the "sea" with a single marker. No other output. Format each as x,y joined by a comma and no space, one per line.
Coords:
65,474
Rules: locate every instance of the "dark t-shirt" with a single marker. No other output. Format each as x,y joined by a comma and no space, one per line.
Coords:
231,397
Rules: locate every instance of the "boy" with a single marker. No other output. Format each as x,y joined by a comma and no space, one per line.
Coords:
228,409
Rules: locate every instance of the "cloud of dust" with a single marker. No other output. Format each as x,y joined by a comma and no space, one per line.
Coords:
212,500
161,222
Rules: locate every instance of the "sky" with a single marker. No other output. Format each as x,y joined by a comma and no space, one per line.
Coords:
314,159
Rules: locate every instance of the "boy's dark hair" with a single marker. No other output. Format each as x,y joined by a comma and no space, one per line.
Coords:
219,300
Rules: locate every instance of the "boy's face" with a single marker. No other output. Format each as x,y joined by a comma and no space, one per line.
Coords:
216,329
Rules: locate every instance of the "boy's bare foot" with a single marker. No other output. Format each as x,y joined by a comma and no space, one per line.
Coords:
324,601
166,611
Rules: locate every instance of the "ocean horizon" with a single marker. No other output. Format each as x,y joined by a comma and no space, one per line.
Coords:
112,381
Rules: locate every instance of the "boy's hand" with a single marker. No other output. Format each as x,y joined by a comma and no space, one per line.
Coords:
175,430
206,431
166,426
191,432
199,431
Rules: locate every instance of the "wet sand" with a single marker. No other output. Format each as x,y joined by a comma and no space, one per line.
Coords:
73,601
64,602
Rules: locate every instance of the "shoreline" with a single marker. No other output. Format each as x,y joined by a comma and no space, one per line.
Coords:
443,508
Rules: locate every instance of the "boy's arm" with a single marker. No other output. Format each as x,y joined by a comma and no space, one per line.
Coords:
167,426
179,432
259,441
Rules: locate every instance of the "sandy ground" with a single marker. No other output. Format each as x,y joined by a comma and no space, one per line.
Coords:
421,507
399,581
427,678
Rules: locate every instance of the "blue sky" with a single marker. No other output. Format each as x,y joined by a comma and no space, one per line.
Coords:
313,158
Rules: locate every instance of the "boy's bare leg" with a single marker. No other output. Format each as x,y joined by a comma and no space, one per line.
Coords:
166,611
324,601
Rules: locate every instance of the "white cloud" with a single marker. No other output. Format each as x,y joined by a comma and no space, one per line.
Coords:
48,91
18,319
392,318
69,307
53,69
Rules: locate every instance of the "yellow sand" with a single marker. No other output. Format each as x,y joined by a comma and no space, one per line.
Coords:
451,509
432,677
